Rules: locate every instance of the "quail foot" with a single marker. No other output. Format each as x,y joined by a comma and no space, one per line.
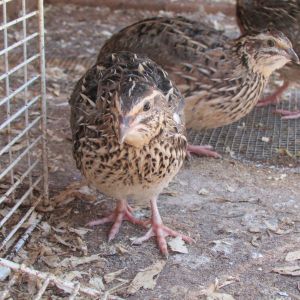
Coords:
129,136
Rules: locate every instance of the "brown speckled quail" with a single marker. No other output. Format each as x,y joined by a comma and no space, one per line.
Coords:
129,136
221,79
283,15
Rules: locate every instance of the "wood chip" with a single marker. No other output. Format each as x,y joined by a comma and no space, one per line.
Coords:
178,245
97,283
146,278
75,261
203,192
121,249
73,275
212,293
288,270
80,231
112,276
51,261
292,256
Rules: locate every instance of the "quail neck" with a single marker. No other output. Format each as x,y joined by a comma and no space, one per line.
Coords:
284,16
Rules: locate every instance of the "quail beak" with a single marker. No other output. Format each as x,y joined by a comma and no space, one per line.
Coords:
291,54
124,127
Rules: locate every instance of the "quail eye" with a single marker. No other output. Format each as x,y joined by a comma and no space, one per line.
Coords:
146,106
271,43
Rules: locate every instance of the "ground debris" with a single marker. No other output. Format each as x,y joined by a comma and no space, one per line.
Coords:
75,189
285,227
203,192
146,278
97,283
288,270
112,276
75,261
211,293
178,245
54,137
121,249
73,275
292,256
80,231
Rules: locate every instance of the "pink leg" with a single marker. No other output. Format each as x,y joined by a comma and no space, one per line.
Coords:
288,115
159,230
122,212
203,150
274,97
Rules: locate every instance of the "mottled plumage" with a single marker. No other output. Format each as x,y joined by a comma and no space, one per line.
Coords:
221,79
284,15
128,131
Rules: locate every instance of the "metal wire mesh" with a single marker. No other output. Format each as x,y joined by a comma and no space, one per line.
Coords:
260,136
23,152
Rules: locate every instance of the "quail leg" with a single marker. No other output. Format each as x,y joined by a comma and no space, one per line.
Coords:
274,97
288,115
204,150
159,230
122,212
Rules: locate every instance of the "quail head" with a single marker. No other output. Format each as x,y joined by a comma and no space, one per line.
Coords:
129,136
283,15
221,79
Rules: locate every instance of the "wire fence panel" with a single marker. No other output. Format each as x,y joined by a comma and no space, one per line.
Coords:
23,151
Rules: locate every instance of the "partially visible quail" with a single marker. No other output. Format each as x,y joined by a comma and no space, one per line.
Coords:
129,136
221,79
284,15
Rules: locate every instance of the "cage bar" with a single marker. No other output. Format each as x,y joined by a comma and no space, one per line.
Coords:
19,43
44,101
21,65
16,104
16,21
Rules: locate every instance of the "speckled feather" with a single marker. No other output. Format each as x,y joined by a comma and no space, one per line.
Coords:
284,15
119,170
217,76
165,40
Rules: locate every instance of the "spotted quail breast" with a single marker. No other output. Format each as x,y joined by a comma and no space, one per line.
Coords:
129,136
284,15
221,79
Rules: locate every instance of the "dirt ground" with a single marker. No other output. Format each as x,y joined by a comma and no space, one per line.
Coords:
244,217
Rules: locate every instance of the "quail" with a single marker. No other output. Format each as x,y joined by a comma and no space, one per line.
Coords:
128,136
221,79
283,15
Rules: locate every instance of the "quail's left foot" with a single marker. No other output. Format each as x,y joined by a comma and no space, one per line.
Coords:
161,231
288,115
122,212
204,150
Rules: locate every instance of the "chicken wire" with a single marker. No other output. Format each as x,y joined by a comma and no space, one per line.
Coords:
260,136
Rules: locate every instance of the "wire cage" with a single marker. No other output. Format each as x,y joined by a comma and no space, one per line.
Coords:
23,148
23,152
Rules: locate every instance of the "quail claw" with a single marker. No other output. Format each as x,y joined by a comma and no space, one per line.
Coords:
161,231
122,212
